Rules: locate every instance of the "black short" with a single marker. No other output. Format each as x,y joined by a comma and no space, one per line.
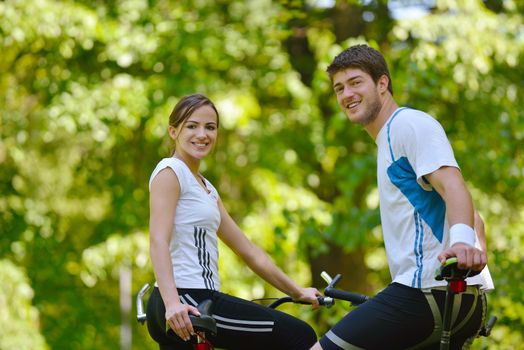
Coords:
241,324
401,317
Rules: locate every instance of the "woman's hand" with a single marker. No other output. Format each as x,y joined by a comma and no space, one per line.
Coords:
177,317
308,295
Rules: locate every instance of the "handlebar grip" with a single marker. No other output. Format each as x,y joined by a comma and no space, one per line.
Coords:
323,301
485,331
141,315
354,298
491,322
326,301
326,277
449,271
334,281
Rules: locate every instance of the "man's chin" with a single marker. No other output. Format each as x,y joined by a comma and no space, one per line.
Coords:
356,119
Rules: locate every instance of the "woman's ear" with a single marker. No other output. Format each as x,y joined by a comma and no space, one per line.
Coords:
172,132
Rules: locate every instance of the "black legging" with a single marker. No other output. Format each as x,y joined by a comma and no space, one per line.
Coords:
400,317
241,324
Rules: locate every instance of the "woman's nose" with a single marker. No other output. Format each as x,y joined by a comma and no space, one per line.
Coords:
201,132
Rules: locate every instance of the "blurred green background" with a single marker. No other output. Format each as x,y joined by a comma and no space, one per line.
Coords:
86,88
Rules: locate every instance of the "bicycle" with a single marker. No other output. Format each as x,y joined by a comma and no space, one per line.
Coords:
449,271
456,279
205,324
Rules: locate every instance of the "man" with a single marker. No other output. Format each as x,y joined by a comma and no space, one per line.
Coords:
427,216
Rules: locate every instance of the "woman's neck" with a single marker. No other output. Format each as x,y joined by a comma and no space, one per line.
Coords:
192,164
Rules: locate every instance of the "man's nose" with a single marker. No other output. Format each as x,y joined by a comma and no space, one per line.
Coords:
347,92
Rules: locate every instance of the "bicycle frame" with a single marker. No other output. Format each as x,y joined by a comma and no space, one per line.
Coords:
456,279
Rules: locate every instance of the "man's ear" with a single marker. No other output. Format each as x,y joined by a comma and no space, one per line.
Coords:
172,132
383,83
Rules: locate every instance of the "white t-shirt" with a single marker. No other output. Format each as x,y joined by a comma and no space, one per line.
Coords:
193,248
412,144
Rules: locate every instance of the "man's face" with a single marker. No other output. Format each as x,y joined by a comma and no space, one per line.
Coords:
357,95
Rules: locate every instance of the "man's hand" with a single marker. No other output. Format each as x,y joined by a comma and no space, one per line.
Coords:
468,257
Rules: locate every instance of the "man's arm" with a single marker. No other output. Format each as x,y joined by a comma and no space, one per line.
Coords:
481,231
448,182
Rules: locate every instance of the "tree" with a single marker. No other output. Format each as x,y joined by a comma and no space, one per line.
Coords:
86,90
19,318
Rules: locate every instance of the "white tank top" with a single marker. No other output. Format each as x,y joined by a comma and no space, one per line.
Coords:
193,247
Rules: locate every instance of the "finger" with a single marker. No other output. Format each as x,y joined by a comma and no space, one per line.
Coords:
467,259
484,259
194,311
315,303
181,325
445,255
461,259
477,261
175,326
189,325
315,295
470,257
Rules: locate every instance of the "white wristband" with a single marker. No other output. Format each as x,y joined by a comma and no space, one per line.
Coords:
461,233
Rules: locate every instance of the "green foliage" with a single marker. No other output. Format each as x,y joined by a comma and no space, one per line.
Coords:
20,320
86,89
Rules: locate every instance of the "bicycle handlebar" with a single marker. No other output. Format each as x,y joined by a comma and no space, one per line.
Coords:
140,314
328,300
353,298
486,330
323,301
449,271
330,294
331,291
205,322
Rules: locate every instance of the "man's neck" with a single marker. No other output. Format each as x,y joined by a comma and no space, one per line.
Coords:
388,108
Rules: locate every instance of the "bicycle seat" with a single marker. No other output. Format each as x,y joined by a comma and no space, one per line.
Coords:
204,323
450,272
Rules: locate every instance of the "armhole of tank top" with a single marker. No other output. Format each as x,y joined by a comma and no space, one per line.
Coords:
172,166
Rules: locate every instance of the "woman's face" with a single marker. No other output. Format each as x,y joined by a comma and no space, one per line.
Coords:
196,137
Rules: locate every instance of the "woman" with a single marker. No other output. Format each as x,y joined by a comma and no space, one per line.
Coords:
186,218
